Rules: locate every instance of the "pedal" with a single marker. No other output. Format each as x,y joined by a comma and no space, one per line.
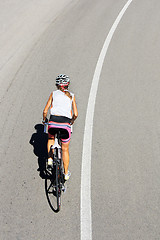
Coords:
64,189
49,167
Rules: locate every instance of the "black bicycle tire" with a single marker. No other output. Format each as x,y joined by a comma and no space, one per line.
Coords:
58,188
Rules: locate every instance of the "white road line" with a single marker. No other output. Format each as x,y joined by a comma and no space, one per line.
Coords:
86,213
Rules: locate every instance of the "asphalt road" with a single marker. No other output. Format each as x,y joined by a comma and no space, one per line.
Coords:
125,182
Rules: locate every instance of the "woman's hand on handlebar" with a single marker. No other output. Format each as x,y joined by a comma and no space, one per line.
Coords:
45,120
73,119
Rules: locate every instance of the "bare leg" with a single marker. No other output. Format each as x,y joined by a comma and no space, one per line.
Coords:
65,156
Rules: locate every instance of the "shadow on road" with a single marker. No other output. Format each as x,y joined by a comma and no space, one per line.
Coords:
39,142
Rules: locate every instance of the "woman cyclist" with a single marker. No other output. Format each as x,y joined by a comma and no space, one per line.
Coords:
63,112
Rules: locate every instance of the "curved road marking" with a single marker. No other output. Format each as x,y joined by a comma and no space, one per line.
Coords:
86,214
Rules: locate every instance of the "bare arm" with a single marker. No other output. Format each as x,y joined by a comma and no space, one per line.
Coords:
45,111
75,111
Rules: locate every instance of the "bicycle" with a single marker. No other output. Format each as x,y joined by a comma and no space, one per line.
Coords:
55,172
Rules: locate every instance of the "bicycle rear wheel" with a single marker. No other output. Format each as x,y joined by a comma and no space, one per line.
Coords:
58,186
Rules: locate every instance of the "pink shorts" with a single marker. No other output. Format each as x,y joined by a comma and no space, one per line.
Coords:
65,130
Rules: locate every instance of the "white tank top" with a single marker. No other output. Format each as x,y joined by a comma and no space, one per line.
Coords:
61,104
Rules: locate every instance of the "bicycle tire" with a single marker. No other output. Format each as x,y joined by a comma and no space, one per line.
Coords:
58,186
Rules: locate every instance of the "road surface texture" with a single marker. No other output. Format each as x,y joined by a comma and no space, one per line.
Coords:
125,163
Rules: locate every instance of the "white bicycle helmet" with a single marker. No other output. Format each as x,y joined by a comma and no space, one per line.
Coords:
62,80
